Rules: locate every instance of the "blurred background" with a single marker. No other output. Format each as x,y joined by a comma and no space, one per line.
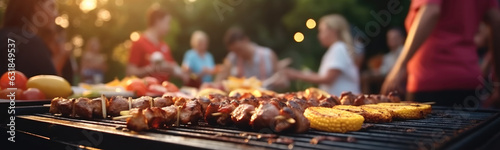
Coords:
278,24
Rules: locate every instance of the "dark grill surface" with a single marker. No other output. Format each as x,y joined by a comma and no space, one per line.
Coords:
443,128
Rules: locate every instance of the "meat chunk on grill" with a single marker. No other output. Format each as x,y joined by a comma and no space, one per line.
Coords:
62,106
117,104
163,101
191,112
291,120
264,116
242,114
142,102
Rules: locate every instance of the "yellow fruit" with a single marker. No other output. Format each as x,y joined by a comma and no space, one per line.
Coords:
52,86
333,120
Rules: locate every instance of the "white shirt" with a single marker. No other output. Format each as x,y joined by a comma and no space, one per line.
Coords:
338,57
389,60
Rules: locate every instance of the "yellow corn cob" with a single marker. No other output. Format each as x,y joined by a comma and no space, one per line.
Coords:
371,115
400,111
424,107
333,120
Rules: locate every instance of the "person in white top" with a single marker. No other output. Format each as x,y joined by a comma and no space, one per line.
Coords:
395,41
338,71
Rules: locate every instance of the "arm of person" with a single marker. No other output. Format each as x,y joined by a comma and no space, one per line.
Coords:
493,19
224,72
425,21
134,70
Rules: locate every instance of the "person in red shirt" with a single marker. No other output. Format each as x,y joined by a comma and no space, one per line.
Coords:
149,55
439,59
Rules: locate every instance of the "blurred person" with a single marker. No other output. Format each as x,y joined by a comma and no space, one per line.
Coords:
93,62
395,42
70,68
246,58
379,65
198,60
150,55
338,71
439,59
30,23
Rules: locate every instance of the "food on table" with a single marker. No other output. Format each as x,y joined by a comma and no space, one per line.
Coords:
371,115
137,86
233,83
13,79
52,86
33,94
333,120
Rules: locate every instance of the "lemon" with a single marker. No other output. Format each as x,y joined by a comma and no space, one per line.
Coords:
52,86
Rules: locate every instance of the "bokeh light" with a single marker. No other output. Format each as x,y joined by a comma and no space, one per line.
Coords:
310,23
62,20
88,5
134,36
298,37
104,15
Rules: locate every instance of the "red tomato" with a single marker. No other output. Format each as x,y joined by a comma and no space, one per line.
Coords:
33,94
150,81
4,94
18,78
137,86
170,86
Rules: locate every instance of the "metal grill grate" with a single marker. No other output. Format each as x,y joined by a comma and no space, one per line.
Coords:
444,126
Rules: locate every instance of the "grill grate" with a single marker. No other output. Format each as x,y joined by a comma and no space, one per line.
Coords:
441,127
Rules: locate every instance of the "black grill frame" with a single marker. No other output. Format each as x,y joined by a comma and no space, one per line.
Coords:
444,128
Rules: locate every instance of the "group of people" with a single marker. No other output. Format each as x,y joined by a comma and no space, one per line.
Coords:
437,61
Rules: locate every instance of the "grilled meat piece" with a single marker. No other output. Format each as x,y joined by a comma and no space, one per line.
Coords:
204,102
142,102
96,106
264,116
347,98
251,100
117,104
359,100
155,117
394,97
191,112
137,122
163,101
291,120
242,114
62,106
82,108
170,114
276,102
297,103
220,113
329,101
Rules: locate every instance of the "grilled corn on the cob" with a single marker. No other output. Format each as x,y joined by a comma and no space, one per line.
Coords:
370,114
400,111
424,107
333,120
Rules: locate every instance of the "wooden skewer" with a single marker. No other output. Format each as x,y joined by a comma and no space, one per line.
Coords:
279,117
103,105
129,103
429,103
122,117
216,114
125,112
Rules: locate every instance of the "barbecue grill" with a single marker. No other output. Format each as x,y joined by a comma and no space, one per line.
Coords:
444,128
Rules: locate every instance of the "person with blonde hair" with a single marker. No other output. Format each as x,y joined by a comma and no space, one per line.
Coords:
198,60
338,71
